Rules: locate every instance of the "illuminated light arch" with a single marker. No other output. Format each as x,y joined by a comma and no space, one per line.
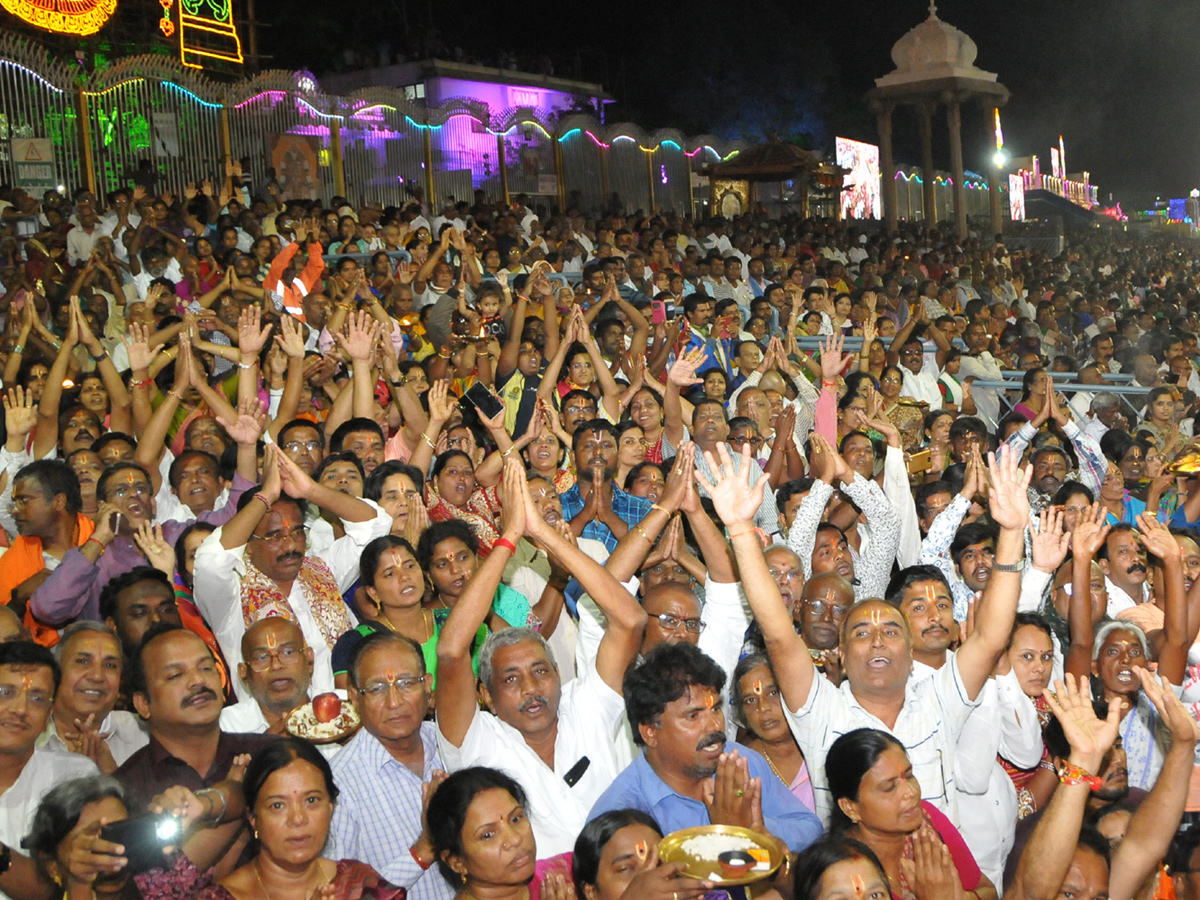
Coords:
80,17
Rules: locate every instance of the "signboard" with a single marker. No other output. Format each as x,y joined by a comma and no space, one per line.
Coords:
33,166
862,194
547,184
1056,163
1016,198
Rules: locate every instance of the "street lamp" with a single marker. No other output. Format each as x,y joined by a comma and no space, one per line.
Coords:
1000,159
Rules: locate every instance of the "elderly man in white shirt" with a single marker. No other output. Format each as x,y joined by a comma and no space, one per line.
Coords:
927,717
89,655
255,566
562,743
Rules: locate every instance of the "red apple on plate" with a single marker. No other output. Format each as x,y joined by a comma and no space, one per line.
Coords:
327,707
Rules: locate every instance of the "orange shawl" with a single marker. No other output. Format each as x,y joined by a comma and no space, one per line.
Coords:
21,562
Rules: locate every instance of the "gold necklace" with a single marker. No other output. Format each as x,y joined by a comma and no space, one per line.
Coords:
771,763
425,616
266,893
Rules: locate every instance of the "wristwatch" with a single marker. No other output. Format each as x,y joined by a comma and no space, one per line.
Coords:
401,381
1018,566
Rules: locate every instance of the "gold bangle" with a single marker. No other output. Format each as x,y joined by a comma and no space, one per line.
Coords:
638,529
504,454
426,439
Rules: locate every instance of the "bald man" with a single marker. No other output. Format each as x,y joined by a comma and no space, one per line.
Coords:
277,671
11,628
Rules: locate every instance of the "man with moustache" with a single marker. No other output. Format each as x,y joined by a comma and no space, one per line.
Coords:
386,772
962,553
73,589
824,602
1124,563
29,679
177,691
256,566
689,774
606,512
276,670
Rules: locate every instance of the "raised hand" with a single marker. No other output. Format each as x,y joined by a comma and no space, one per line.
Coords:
155,548
294,480
833,360
1089,737
250,423
1090,532
362,334
1050,543
417,522
683,373
681,475
251,334
272,484
290,338
1008,500
1157,538
441,403
735,499
515,520
20,413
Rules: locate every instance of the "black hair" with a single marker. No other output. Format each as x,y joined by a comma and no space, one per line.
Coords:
969,425
1023,619
110,471
443,460
373,486
849,759
358,423
969,535
636,472
593,426
663,677
790,489
278,755
339,457
448,809
816,860
368,563
907,577
1068,490
110,592
53,477
1116,444
181,550
1092,839
440,531
138,683
589,846
300,423
924,492
1027,381
1102,552
27,653
377,639
706,402
175,473
111,437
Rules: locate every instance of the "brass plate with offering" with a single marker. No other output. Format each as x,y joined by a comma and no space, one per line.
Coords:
723,854
323,721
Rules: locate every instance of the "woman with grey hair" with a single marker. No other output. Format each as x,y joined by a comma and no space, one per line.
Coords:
65,843
757,707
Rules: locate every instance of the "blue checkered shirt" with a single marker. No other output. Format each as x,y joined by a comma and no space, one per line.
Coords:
629,509
378,814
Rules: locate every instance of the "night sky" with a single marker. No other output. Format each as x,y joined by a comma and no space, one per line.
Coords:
1116,79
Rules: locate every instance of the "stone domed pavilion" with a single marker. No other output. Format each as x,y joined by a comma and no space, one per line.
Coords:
935,66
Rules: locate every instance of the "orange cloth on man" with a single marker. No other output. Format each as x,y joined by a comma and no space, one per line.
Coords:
22,561
293,294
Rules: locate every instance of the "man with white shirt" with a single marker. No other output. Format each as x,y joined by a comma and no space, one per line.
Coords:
978,363
1124,563
562,743
119,221
256,565
876,643
276,670
717,240
81,239
1104,414
83,719
29,679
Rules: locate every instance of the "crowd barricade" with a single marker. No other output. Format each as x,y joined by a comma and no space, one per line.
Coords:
1127,393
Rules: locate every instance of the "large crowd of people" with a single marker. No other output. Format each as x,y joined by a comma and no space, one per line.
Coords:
577,531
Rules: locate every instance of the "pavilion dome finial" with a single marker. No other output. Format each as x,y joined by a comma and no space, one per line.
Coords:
934,49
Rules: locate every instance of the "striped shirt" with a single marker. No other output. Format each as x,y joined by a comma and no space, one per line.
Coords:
378,814
928,726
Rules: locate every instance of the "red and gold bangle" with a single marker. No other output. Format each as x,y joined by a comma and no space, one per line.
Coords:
1072,774
828,384
92,540
417,859
263,497
747,530
505,542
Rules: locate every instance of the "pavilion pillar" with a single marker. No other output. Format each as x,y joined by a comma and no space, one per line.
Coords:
998,176
954,120
887,168
928,197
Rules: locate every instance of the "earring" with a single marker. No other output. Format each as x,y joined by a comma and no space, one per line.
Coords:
464,877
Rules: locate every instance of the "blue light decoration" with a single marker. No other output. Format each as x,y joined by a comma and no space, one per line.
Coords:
1177,210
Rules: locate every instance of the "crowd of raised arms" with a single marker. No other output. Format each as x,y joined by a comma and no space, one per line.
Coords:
599,527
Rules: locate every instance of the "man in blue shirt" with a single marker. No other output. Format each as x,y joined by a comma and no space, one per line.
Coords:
688,773
605,512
